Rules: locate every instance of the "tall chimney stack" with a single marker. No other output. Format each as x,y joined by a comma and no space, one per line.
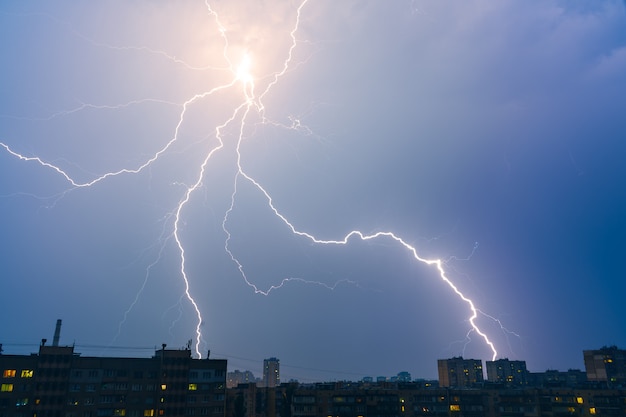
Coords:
57,334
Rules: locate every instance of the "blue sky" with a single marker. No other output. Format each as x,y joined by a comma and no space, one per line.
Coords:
489,135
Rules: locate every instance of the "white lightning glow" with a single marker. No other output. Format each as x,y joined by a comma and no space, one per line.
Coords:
243,83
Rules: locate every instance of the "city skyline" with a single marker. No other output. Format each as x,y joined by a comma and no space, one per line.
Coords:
268,374
331,185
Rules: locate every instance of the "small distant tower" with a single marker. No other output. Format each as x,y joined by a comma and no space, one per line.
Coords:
271,372
57,334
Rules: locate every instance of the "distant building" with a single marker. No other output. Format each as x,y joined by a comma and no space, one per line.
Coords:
404,377
459,372
238,377
271,373
509,373
607,364
554,378
57,381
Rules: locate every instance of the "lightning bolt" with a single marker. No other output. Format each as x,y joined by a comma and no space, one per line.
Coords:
242,118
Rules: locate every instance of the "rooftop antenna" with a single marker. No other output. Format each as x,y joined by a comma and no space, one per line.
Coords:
57,334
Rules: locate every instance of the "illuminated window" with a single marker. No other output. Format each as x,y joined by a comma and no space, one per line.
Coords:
592,410
193,387
21,402
119,412
579,400
163,387
27,373
9,373
455,407
6,388
148,413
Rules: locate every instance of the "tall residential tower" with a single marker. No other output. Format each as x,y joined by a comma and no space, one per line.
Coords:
271,372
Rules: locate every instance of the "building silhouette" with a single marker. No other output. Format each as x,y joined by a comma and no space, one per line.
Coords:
415,399
237,377
509,373
59,382
459,372
607,364
271,372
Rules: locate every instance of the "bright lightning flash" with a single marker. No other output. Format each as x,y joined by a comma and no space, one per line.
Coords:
243,81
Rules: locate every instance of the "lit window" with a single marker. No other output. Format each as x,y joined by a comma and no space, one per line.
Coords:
579,400
27,373
6,388
193,387
148,413
163,387
592,410
119,412
21,402
455,407
9,373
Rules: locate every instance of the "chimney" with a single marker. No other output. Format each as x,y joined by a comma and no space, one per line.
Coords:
57,334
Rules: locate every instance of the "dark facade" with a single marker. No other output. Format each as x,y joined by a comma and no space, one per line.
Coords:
509,373
57,382
459,372
415,400
271,372
607,364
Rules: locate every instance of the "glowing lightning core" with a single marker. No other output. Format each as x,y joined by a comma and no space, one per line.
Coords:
243,79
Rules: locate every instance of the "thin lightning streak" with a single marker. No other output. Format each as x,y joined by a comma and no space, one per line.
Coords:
138,294
294,44
85,106
137,170
91,41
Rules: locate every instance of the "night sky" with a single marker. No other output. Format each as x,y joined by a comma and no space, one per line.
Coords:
490,135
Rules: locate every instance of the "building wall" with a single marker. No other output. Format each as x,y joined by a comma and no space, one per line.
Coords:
607,364
504,371
271,372
59,382
414,400
459,372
